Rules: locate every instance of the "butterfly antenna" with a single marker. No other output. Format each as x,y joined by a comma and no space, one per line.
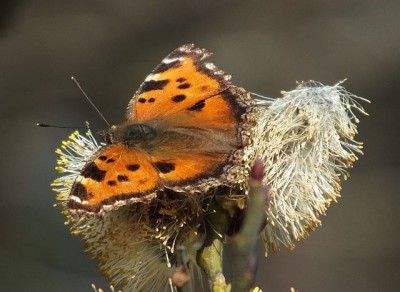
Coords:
59,127
87,97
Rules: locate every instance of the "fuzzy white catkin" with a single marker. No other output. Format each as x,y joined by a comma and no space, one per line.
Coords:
306,141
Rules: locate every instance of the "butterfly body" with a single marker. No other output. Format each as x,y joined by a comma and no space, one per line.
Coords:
133,134
185,130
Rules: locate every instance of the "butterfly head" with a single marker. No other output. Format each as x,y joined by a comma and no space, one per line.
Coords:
130,134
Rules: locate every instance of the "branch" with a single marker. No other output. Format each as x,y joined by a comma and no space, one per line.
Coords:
243,245
209,258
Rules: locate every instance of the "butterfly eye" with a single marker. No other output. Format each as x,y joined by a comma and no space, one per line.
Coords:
106,136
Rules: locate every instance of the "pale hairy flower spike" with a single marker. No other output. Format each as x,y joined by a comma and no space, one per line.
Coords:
306,140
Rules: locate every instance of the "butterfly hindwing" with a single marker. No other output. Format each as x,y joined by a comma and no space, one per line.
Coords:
116,174
190,172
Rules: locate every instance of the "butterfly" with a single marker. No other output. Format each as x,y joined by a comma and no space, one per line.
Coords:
185,130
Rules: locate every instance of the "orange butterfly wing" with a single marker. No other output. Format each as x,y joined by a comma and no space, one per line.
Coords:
180,81
195,172
117,174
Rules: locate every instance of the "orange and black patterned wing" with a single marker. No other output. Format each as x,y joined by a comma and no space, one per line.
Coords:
181,80
116,176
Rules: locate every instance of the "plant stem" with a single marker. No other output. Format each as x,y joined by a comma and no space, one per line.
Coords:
209,257
243,245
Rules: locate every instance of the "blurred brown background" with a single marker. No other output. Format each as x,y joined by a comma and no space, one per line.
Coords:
110,46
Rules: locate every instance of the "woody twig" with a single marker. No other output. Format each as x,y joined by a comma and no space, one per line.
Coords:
243,245
210,257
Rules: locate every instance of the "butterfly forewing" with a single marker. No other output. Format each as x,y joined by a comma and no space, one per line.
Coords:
179,82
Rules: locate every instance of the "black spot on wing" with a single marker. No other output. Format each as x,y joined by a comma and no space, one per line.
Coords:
197,106
180,80
166,66
92,171
111,182
133,167
110,160
152,99
184,86
142,100
178,98
164,167
122,178
79,190
153,85
103,158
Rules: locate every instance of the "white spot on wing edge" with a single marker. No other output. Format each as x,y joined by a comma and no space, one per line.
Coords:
75,199
210,66
168,60
227,77
152,77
